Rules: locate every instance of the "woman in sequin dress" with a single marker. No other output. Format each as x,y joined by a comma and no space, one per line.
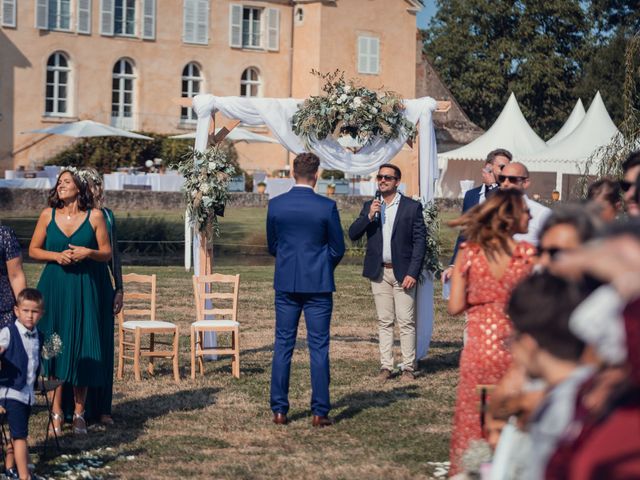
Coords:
489,265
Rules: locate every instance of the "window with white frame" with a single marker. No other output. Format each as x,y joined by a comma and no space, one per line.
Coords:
368,55
57,85
8,13
122,94
195,24
254,27
250,83
124,18
58,14
191,86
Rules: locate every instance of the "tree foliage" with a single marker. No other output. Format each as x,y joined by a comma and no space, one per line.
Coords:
485,49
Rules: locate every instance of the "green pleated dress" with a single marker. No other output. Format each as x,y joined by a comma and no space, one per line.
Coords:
78,298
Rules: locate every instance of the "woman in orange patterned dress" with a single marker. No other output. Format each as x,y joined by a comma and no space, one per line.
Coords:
489,265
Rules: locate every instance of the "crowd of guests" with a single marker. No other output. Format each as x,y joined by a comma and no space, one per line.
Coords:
552,330
75,299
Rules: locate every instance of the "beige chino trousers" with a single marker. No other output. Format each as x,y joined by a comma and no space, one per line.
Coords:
394,303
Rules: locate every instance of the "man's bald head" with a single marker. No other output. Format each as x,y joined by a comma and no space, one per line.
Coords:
514,175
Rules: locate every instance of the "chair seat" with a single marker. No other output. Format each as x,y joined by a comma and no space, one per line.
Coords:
215,323
133,324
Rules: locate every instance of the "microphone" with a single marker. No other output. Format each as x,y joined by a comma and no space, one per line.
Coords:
378,196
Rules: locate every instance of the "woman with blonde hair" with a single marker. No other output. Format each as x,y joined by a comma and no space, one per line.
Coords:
488,267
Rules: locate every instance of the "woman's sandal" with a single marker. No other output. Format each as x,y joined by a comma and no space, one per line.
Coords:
53,429
79,424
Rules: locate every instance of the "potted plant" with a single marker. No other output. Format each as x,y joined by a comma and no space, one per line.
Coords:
331,189
261,187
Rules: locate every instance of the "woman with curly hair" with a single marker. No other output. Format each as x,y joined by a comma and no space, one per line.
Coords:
488,267
72,238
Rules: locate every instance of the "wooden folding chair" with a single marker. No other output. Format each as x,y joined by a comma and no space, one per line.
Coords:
206,289
134,303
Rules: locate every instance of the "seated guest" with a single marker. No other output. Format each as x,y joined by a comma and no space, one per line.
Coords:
605,194
20,347
540,308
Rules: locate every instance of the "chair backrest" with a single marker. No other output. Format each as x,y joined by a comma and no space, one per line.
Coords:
139,296
207,289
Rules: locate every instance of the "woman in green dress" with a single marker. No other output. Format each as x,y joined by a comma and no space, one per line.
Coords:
73,239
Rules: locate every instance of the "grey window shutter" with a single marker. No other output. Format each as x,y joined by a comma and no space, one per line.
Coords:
235,26
273,29
363,54
42,14
189,21
149,19
107,14
84,16
374,55
8,14
202,22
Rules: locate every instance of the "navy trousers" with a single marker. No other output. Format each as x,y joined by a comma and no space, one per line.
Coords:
317,308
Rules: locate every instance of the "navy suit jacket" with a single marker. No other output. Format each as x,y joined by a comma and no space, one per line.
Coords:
471,199
305,235
408,240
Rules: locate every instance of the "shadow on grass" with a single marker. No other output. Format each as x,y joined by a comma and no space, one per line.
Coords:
440,362
356,403
132,417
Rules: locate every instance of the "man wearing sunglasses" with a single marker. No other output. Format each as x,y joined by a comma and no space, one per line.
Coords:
496,160
516,176
396,237
631,169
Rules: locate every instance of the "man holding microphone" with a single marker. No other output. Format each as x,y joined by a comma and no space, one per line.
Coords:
396,236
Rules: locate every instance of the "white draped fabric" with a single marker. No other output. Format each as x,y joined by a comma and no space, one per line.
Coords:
276,114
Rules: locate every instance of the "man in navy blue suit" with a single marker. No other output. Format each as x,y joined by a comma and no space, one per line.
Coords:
305,235
496,160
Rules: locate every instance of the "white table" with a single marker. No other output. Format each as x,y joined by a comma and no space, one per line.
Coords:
26,183
170,182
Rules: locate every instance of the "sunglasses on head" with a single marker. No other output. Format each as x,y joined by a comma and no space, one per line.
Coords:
386,177
512,179
625,185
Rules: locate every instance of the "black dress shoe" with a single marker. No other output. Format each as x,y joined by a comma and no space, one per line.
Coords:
280,418
321,422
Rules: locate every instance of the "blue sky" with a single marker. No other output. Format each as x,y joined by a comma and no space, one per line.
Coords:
426,13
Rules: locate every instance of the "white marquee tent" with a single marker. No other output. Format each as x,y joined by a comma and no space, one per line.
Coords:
570,154
511,131
576,116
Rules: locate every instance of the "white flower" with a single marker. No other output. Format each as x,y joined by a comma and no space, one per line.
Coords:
344,97
212,165
204,188
374,110
357,102
347,88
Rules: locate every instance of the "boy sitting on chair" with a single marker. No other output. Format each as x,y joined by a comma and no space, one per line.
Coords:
20,348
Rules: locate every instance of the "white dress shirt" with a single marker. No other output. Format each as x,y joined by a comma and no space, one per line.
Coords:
539,214
388,216
32,347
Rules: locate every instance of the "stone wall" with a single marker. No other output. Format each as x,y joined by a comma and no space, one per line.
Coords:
28,200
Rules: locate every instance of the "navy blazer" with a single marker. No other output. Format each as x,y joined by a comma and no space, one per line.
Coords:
471,199
305,235
408,240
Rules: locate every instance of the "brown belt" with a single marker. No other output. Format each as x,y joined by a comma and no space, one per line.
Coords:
387,265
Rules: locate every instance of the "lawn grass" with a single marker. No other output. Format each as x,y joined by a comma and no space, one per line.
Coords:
219,427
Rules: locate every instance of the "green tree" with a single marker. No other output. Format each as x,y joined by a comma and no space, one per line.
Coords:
484,49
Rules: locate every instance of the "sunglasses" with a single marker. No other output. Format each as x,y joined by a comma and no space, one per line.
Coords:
552,251
625,186
387,178
512,179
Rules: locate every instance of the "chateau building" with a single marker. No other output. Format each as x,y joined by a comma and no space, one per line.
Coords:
126,62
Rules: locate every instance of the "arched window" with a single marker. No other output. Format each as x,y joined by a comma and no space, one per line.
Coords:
122,94
57,87
250,83
191,86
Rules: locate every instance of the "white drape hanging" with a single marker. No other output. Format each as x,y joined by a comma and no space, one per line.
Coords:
276,114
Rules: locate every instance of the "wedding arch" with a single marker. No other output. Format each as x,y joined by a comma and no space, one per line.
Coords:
277,114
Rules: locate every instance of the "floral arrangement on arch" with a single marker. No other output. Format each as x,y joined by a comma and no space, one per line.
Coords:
206,185
348,109
431,215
